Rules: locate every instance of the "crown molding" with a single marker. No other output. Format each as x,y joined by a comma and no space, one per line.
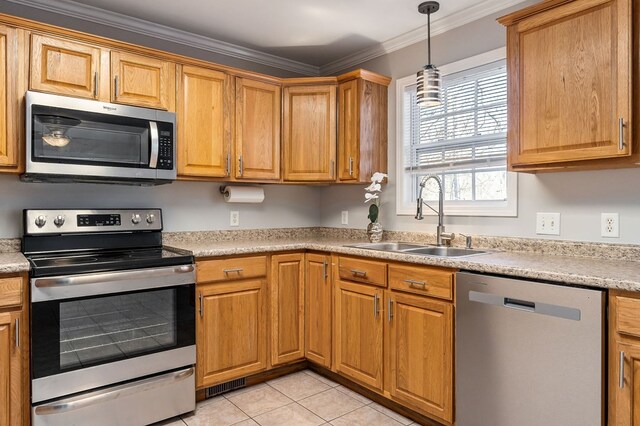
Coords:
442,25
141,26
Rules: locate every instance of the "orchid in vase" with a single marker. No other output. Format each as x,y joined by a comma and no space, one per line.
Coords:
374,229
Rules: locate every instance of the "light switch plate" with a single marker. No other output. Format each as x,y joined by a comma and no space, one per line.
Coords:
345,217
548,223
234,218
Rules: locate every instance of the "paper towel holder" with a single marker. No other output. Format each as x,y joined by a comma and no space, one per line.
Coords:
223,189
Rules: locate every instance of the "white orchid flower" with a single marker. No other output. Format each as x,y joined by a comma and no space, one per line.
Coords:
374,187
370,197
378,177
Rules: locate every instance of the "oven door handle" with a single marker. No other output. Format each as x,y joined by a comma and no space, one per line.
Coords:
155,144
102,396
110,276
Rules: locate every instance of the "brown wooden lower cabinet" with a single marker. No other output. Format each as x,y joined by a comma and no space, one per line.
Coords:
420,353
624,358
14,353
358,333
318,304
286,290
231,330
394,340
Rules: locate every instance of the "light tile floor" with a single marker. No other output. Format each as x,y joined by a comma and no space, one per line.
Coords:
299,399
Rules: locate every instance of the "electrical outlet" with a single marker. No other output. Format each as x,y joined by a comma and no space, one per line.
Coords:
610,225
345,217
548,223
234,219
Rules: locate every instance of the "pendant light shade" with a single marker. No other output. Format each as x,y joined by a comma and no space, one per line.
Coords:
428,78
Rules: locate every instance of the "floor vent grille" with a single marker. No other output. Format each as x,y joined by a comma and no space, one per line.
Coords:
225,387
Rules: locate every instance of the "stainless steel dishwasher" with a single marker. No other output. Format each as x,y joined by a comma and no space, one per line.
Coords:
528,353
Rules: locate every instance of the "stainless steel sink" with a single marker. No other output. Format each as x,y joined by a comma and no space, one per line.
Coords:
419,249
444,251
388,246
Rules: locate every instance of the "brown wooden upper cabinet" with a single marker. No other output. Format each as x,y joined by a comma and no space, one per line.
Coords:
13,82
205,106
143,81
73,68
309,132
362,125
257,135
570,84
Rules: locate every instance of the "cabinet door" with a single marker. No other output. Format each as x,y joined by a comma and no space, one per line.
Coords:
257,130
13,77
11,389
287,308
358,333
69,68
142,81
349,131
309,133
571,85
420,345
318,302
204,123
231,332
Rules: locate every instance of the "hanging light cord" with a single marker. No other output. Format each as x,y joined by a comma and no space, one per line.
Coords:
429,36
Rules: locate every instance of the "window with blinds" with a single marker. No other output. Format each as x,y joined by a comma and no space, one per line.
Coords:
464,140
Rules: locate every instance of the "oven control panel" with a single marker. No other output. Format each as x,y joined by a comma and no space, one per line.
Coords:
86,221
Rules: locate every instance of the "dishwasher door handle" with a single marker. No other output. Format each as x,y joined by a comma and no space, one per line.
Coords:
548,309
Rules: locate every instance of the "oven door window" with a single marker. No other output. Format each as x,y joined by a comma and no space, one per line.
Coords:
78,333
76,137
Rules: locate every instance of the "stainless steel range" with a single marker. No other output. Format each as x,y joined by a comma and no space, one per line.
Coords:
112,318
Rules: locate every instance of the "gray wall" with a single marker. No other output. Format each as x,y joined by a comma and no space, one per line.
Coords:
580,197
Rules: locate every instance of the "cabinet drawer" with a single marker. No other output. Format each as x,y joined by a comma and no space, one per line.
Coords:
363,271
10,292
627,315
428,281
231,269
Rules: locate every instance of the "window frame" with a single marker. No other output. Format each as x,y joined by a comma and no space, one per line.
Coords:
508,208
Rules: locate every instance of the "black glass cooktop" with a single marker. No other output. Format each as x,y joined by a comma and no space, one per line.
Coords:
66,263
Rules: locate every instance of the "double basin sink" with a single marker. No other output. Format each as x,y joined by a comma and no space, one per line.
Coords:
424,250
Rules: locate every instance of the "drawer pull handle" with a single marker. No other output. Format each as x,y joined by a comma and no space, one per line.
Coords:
389,311
359,273
413,283
229,271
324,270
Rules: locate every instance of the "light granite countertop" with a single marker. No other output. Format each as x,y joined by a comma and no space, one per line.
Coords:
13,262
582,271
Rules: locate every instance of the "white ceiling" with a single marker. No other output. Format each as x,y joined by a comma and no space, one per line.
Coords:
316,33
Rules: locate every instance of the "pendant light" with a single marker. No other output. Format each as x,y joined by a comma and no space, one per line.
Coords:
428,77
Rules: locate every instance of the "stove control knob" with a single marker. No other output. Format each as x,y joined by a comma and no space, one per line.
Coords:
59,221
151,218
40,221
135,219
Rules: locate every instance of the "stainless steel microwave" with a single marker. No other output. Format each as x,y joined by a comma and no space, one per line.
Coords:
79,140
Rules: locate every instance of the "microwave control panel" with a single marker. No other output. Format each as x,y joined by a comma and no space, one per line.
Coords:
165,149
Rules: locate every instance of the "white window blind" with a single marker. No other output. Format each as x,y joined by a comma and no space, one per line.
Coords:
464,139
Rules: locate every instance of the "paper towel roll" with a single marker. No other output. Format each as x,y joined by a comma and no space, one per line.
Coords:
243,194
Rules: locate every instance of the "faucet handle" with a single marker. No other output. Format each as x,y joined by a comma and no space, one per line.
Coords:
468,239
447,237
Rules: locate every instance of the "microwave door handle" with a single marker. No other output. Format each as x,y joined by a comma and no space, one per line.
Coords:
155,143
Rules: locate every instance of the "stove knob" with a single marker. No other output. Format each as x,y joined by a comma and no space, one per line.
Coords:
135,219
151,218
59,221
40,221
